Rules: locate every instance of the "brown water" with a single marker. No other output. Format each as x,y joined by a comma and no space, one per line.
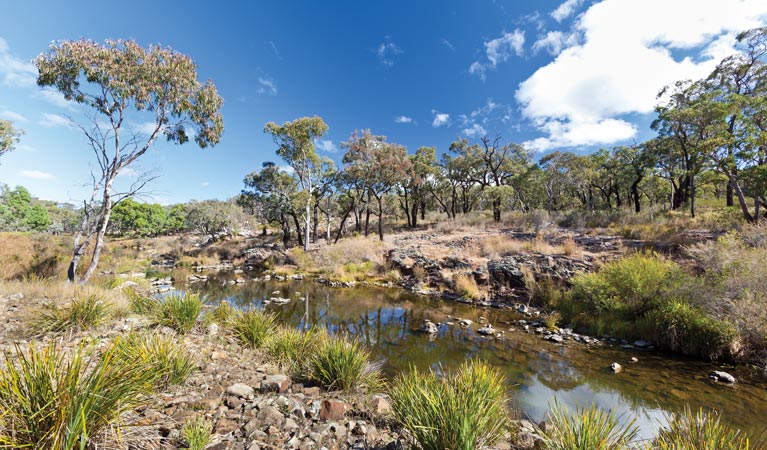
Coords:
537,371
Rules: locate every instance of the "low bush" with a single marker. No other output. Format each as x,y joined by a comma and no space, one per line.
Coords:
293,348
85,312
197,433
701,431
253,327
586,429
53,400
344,364
179,311
170,361
461,410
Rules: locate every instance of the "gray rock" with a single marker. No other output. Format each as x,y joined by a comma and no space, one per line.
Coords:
486,330
270,416
641,344
240,390
722,377
555,338
275,383
615,367
429,327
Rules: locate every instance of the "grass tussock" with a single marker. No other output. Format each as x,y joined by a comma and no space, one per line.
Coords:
586,429
344,364
253,327
292,348
461,410
32,256
197,433
179,311
170,361
83,313
54,400
467,286
702,430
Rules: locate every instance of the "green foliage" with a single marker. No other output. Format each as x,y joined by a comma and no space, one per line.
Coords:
586,429
344,364
461,410
212,217
701,430
140,219
140,303
170,362
197,433
293,348
253,327
85,312
9,136
179,311
19,211
54,400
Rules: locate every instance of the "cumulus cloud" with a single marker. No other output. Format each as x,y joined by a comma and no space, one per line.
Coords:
54,120
499,50
386,52
476,130
554,41
14,71
628,52
267,86
37,174
403,119
566,9
440,119
326,145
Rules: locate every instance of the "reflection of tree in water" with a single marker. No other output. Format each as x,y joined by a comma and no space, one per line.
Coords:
559,375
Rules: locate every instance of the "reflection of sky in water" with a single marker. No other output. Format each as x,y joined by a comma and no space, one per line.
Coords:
537,371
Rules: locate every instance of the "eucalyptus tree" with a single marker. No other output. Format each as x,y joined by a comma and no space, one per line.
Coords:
9,136
295,145
418,183
273,193
122,83
377,164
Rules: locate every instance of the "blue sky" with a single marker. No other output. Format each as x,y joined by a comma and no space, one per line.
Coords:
569,75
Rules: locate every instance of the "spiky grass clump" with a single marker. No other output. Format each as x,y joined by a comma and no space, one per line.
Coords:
140,303
179,311
293,348
85,312
462,410
701,430
197,433
222,314
253,327
344,364
586,429
54,400
170,361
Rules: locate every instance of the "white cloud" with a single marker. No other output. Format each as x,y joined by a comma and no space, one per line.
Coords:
37,175
12,116
474,131
499,50
14,71
440,119
274,49
447,44
267,86
54,97
555,41
565,10
54,120
386,52
626,56
403,119
127,172
326,145
205,184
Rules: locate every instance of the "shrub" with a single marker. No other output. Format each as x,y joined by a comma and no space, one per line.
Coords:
586,429
197,433
83,313
461,410
293,348
179,311
53,400
252,327
170,361
345,364
700,431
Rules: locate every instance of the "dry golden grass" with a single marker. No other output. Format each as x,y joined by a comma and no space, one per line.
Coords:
32,255
499,245
466,286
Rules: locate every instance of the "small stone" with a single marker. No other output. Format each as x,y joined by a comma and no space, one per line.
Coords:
555,338
213,329
615,367
634,359
270,416
721,376
380,405
240,390
332,409
226,426
641,344
486,331
429,327
312,391
275,383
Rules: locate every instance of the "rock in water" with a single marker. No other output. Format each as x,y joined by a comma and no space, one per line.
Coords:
429,327
615,367
723,377
486,331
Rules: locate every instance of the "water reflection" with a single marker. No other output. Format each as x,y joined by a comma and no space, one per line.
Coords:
538,371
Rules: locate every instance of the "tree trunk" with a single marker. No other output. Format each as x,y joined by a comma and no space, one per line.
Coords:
299,231
635,194
367,221
106,212
307,222
327,216
380,218
496,209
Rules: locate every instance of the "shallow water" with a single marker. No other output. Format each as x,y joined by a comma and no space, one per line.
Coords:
537,371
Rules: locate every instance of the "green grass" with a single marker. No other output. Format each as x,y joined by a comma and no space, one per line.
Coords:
701,431
54,400
344,364
461,410
170,361
222,314
140,303
586,429
85,312
179,311
292,348
253,327
197,433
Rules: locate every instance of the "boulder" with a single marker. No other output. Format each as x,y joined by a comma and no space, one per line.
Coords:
487,330
615,367
332,409
722,377
429,327
240,390
275,383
